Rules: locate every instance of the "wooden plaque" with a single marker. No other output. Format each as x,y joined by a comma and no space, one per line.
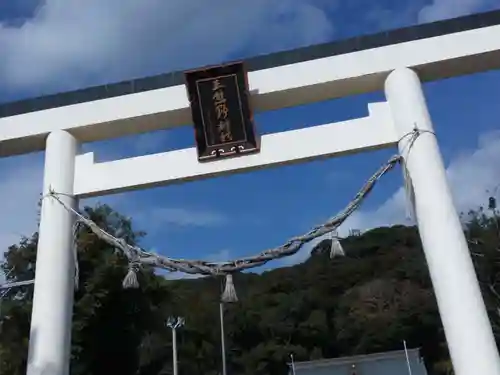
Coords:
223,120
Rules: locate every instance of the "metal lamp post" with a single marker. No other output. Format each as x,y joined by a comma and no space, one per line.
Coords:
222,338
292,362
173,323
228,296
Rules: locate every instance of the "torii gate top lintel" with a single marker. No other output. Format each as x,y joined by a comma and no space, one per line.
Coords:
358,65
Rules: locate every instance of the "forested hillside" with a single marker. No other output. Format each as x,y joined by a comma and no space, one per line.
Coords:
368,301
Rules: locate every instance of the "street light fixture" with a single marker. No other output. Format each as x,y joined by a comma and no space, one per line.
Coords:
174,323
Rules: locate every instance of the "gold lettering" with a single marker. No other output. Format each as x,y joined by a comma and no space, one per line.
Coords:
217,85
221,111
226,137
220,102
224,128
218,97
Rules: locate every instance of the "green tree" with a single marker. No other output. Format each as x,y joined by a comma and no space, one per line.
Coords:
109,322
371,300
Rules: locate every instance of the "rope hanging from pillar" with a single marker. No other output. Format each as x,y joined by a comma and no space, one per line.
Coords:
138,257
410,139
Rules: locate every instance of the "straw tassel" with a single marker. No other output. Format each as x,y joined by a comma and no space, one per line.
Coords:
229,293
336,249
130,281
409,192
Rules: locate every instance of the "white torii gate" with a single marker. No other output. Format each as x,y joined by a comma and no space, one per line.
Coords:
391,61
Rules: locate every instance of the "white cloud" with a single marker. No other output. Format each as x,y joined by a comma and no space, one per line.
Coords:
410,11
220,256
20,189
470,175
67,45
442,9
303,254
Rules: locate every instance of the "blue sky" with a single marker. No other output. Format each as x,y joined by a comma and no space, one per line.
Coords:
56,46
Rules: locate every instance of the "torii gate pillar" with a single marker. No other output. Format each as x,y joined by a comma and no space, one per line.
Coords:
467,328
51,318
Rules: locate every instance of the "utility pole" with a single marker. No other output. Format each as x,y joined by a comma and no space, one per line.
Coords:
173,323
